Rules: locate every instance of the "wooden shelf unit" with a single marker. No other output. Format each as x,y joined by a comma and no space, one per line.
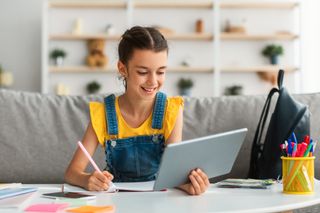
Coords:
238,36
183,36
174,4
88,4
190,69
262,68
83,37
79,69
214,37
87,69
258,5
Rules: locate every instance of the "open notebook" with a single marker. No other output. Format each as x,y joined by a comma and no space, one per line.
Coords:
121,186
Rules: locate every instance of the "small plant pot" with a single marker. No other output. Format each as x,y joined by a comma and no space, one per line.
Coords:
185,92
59,61
274,59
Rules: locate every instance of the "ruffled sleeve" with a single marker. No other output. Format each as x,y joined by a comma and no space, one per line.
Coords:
98,120
172,110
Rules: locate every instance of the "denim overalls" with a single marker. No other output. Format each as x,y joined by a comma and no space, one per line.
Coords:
135,158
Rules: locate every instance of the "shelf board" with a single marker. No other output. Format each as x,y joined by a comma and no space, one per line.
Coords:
203,4
190,69
263,68
83,37
174,4
87,4
243,36
189,36
258,5
182,36
80,69
86,69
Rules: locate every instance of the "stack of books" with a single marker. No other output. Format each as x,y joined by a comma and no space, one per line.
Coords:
12,195
13,189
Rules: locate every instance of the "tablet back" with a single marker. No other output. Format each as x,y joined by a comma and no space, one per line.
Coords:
214,154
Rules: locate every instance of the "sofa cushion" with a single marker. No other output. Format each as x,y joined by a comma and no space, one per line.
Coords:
38,132
38,135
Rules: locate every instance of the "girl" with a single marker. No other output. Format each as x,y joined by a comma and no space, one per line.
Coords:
134,127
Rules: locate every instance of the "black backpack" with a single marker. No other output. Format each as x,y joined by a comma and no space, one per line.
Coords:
288,116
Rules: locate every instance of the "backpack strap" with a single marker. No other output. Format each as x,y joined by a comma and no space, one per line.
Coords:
257,144
264,116
280,79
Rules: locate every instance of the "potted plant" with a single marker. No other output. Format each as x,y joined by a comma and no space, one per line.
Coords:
272,51
93,87
185,85
233,90
58,56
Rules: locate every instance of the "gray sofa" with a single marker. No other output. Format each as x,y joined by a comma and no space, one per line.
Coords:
38,133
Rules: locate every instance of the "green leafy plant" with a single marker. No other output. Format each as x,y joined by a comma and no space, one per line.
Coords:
93,87
185,83
233,90
272,50
55,53
1,69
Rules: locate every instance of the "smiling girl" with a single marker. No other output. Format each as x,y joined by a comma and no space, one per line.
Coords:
135,127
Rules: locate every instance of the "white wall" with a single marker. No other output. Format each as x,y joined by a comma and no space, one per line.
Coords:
20,42
310,46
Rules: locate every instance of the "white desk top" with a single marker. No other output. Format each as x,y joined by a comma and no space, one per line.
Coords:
173,200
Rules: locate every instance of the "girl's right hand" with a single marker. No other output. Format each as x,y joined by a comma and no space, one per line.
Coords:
99,181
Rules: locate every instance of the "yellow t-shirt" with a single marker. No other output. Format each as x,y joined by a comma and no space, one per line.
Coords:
98,120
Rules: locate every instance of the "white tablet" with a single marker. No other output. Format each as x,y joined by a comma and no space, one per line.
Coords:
214,154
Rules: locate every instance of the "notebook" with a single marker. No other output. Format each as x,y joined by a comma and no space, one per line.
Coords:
11,192
15,202
121,186
93,209
46,207
9,185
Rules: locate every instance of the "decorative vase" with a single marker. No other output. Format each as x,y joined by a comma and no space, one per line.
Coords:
77,27
274,59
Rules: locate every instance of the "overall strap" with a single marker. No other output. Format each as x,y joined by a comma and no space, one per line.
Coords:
158,110
111,116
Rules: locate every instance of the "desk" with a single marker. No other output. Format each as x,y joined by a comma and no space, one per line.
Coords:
214,200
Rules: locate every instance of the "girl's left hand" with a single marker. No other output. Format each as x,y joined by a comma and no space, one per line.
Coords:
199,183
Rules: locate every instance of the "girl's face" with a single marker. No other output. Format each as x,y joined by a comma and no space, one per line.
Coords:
145,72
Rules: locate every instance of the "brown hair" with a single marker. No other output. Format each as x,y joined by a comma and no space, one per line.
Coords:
142,38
